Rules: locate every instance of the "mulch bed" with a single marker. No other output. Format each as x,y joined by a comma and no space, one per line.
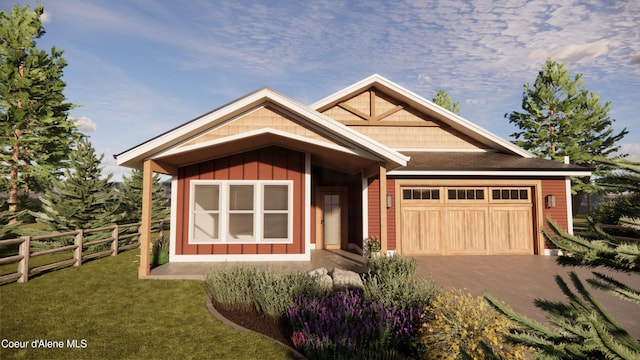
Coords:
263,324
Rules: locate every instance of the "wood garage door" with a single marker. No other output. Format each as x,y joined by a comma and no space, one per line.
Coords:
466,220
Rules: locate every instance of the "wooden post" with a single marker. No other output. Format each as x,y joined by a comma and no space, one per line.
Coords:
115,234
77,253
383,209
161,231
23,264
145,226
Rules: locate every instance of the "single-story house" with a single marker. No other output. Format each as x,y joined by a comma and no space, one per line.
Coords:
267,178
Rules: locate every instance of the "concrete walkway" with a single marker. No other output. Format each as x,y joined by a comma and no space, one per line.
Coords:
515,279
319,258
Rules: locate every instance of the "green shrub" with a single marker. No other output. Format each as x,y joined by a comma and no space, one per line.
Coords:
231,287
391,267
457,323
392,280
269,293
609,212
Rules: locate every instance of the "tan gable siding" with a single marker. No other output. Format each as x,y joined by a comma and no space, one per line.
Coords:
397,125
264,117
419,137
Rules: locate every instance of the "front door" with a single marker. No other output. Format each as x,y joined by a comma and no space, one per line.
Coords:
332,217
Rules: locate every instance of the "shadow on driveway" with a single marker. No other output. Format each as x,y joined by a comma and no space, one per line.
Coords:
520,279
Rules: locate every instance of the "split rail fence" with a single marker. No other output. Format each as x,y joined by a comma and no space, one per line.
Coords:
119,238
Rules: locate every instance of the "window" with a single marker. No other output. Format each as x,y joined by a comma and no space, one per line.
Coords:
510,194
241,212
421,194
465,194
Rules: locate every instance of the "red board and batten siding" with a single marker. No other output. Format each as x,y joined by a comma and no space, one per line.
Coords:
559,214
373,201
270,163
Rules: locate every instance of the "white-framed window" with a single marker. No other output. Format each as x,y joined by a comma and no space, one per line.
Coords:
241,211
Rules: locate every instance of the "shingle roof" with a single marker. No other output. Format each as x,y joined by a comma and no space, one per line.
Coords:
482,161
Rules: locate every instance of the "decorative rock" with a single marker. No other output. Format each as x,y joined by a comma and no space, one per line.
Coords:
318,272
345,278
322,277
325,281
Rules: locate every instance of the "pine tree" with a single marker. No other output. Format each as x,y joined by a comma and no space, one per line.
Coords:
560,118
130,198
37,133
443,99
583,327
82,199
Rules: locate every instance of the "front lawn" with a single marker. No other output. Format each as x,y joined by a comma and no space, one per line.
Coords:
119,317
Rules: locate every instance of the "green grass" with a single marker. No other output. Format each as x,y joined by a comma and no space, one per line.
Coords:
120,317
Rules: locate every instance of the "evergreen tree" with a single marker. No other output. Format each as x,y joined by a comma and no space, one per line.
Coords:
583,327
130,198
443,99
37,133
560,118
82,199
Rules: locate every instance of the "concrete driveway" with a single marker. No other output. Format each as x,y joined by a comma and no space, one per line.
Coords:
520,279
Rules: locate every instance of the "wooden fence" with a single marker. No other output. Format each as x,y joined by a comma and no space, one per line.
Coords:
119,238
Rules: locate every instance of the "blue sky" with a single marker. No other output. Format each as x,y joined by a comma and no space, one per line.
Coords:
139,68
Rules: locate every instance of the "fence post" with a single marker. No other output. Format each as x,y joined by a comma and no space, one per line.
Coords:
77,253
161,233
23,264
115,234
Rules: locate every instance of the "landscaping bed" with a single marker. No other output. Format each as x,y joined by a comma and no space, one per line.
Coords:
263,324
386,313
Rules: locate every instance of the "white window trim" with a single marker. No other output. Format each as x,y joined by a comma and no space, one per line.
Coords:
258,211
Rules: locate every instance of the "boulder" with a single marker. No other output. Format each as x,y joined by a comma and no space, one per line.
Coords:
322,276
318,272
345,278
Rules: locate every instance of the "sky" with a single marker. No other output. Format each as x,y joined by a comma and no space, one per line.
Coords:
139,68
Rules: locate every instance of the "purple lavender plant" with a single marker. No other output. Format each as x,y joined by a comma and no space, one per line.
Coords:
345,321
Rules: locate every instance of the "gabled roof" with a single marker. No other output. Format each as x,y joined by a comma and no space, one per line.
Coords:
423,105
340,133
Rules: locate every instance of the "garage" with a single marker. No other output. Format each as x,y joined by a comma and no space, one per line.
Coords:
466,220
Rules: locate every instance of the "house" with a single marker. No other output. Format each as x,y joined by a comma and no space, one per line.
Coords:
266,178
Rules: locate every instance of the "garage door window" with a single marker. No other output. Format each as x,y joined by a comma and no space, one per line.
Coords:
465,194
421,194
510,194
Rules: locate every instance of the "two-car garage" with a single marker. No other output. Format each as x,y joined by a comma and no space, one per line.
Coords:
462,218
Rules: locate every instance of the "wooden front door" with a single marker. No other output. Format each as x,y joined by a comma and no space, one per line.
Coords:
331,217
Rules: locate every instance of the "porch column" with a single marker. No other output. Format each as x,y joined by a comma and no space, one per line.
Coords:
145,226
383,209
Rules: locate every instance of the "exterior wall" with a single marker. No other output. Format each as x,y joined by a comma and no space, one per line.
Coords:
396,124
270,163
261,118
373,208
557,187
391,215
419,137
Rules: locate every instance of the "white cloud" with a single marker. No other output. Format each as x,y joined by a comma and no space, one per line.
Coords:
45,17
635,59
85,124
632,149
576,52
